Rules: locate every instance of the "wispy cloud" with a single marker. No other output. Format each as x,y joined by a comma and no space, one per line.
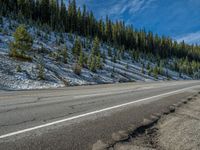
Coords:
129,6
116,8
190,38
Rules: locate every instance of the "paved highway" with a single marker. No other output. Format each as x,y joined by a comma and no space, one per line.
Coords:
76,117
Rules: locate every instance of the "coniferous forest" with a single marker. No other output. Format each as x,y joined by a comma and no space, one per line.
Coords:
57,16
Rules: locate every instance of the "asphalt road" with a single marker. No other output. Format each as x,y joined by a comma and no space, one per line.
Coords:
75,118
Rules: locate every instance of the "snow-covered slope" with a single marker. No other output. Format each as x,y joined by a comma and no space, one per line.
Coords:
58,74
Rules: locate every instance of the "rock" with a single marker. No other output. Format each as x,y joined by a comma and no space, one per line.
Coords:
185,102
154,118
175,105
179,104
146,122
157,115
120,136
99,145
166,112
131,129
172,109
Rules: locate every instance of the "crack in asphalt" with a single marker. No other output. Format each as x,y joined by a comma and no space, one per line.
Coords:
9,110
18,123
16,104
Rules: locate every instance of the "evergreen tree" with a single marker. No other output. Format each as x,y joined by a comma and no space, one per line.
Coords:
19,69
1,21
81,59
65,54
114,59
93,64
142,69
150,71
109,52
63,16
77,48
155,72
96,47
104,57
23,42
148,66
41,70
98,62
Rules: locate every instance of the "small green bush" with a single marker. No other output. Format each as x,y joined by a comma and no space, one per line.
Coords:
41,71
19,69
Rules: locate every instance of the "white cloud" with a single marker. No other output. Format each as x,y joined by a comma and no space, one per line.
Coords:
190,38
116,8
131,6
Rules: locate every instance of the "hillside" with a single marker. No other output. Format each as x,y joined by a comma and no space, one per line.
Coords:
59,74
46,43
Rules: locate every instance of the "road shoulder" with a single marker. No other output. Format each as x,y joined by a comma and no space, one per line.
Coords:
179,129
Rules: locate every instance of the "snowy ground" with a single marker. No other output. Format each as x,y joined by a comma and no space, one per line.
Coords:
58,74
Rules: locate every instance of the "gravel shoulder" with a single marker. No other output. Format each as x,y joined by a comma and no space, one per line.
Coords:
177,130
181,130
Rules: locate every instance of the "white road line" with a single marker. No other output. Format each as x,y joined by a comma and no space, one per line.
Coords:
92,113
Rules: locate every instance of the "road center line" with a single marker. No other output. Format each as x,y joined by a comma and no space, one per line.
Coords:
92,113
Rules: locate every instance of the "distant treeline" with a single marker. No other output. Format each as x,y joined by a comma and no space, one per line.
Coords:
69,18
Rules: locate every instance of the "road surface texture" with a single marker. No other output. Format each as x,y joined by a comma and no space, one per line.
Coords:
75,118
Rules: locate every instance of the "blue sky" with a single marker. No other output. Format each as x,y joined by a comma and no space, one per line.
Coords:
179,19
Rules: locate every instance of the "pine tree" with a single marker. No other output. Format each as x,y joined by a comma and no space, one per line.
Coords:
93,64
23,42
96,47
142,69
63,15
98,62
1,21
19,69
109,52
150,71
148,66
81,59
65,54
155,72
104,57
114,59
77,48
41,71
